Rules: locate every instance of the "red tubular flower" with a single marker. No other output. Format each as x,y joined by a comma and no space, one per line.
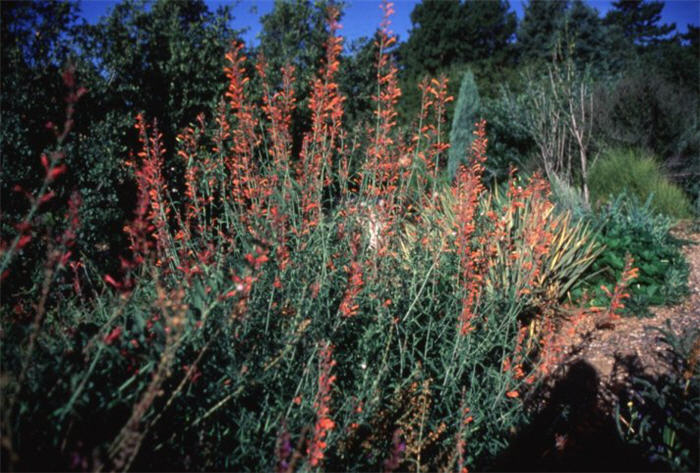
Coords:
348,307
322,141
619,294
149,227
245,182
467,191
278,108
382,165
324,423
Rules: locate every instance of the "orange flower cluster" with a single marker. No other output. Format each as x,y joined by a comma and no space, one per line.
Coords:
152,210
381,167
467,190
189,143
243,135
432,116
320,143
278,108
324,423
461,443
516,365
348,307
619,294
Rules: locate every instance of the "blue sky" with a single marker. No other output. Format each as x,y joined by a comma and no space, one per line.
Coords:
362,17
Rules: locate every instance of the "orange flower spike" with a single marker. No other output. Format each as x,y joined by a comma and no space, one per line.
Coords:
324,423
619,293
322,140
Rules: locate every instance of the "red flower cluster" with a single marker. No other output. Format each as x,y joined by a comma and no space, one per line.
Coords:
467,190
321,142
619,294
383,154
324,423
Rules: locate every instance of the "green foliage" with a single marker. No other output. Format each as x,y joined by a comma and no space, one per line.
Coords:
638,21
465,116
568,198
541,29
167,59
456,32
638,174
357,75
214,336
174,70
660,415
207,354
510,141
642,109
571,29
624,227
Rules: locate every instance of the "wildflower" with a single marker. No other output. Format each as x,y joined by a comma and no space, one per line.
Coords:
322,141
113,335
467,190
619,293
348,307
381,168
324,423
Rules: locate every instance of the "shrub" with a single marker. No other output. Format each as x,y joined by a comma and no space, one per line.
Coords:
624,227
269,317
510,140
660,415
639,174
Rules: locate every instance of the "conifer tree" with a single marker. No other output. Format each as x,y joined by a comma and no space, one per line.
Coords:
465,116
638,21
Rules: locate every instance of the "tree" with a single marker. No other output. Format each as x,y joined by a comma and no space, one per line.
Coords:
453,32
167,60
489,29
541,29
358,80
465,116
36,43
560,116
638,21
587,35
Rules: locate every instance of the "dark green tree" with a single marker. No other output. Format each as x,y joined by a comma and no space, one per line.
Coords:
489,29
557,31
453,32
358,80
638,21
449,35
166,60
587,36
36,38
541,30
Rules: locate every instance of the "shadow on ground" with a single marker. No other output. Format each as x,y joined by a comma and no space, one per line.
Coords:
572,431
